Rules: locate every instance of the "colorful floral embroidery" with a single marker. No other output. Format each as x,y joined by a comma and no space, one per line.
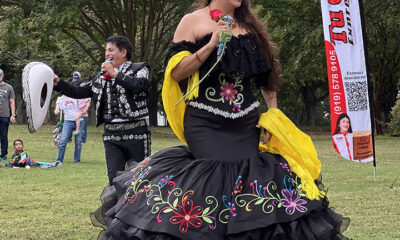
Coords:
164,198
167,200
238,186
293,202
137,184
163,181
141,164
230,208
229,91
186,214
271,199
286,166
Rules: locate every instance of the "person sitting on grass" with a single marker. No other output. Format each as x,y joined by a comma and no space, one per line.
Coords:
20,157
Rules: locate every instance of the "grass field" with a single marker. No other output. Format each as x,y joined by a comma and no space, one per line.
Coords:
55,203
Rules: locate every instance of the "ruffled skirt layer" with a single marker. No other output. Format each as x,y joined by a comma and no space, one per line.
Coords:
173,195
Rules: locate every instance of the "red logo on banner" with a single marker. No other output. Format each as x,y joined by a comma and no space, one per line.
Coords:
337,97
340,21
337,21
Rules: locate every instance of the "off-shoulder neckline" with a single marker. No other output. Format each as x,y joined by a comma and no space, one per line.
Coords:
239,36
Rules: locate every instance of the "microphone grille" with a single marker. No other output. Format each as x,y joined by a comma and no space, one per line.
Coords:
228,19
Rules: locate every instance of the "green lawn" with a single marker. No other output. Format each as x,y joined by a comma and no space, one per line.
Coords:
55,203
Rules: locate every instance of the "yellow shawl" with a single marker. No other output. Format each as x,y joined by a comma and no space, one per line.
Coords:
287,140
295,146
171,94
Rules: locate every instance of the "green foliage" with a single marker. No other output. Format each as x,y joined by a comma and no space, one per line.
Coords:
27,35
382,24
394,124
148,24
296,28
69,35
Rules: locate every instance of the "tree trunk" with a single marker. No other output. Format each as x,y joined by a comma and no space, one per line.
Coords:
20,109
377,119
309,102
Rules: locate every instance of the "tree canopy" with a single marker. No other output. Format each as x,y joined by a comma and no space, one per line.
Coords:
69,35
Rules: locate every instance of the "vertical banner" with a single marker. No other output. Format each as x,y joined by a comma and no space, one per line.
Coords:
347,75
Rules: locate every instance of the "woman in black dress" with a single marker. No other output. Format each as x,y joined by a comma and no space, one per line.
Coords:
220,186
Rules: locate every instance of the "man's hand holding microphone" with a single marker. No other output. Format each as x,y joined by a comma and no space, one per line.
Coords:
107,70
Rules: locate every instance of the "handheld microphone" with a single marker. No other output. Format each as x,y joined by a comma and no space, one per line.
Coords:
229,20
103,71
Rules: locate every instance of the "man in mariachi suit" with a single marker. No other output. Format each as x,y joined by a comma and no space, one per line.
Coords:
119,93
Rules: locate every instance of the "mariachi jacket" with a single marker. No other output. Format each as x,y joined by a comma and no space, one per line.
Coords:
132,92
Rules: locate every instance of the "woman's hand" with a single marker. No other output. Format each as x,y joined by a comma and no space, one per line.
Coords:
266,136
221,27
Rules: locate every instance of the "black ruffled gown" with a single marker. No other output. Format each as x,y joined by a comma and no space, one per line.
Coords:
219,187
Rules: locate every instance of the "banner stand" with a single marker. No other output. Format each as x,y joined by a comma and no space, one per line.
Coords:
370,85
352,121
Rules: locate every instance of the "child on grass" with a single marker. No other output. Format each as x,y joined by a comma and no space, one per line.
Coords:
20,157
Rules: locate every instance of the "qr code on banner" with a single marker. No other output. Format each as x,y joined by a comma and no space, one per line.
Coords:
357,96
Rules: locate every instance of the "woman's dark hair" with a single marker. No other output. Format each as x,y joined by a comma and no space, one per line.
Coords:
341,116
122,43
18,140
246,18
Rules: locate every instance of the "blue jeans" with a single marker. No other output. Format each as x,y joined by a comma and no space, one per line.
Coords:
4,123
84,129
66,134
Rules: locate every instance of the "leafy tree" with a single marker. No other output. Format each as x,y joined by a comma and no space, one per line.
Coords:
394,124
382,23
148,24
21,42
69,35
296,27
